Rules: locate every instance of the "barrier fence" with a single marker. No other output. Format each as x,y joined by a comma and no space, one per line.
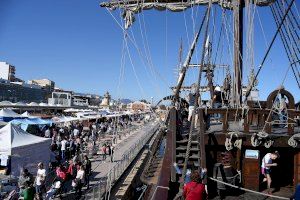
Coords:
103,187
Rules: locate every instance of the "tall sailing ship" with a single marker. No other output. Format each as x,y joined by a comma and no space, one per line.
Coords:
230,133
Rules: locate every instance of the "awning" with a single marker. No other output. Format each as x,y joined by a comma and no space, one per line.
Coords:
7,115
24,123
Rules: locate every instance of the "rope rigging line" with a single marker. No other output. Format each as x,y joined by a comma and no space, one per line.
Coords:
147,50
198,95
194,33
273,105
122,69
186,28
289,48
286,47
219,41
250,14
149,71
145,63
268,51
126,34
292,15
287,28
187,61
135,45
295,6
231,55
247,190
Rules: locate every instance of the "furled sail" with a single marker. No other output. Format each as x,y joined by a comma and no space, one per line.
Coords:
131,7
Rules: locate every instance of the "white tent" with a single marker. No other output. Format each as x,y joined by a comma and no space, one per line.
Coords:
26,150
7,115
28,115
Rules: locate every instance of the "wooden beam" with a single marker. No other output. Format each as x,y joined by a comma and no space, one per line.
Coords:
165,174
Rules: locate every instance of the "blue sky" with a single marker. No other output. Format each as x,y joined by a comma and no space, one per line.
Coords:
78,45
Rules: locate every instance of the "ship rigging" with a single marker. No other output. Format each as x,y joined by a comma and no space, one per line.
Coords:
221,137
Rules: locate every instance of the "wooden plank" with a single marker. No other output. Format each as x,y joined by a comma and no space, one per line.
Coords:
297,168
173,128
251,173
165,174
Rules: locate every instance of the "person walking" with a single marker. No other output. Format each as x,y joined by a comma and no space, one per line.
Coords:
104,152
40,179
112,149
194,190
88,170
63,148
267,163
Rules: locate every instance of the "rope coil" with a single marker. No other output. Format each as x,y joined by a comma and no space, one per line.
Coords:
292,141
268,143
255,141
229,145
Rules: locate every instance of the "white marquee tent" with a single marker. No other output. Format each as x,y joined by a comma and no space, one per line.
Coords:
26,150
8,115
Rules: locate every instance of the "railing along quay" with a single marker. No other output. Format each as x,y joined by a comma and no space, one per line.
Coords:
106,183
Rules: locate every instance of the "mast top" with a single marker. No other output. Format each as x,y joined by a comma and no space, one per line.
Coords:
174,5
131,7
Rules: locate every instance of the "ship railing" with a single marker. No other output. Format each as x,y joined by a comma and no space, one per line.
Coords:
102,189
251,120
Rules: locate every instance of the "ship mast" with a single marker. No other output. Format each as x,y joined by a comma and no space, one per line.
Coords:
238,51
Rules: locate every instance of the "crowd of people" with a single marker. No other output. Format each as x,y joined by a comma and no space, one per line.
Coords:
70,167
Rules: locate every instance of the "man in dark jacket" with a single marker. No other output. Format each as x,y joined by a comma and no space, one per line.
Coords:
88,170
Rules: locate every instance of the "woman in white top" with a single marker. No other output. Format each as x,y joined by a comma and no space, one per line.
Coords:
40,178
267,163
79,179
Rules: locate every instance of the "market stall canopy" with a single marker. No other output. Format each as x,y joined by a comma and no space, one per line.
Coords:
24,123
26,114
12,136
104,112
6,103
33,104
131,6
7,115
64,119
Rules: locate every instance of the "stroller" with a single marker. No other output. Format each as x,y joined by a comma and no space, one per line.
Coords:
54,190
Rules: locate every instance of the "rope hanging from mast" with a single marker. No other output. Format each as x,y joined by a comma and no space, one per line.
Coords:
187,61
287,48
197,96
268,50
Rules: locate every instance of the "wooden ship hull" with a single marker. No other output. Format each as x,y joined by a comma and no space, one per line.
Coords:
242,161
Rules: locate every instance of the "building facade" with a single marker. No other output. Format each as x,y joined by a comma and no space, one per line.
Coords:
44,83
80,100
7,71
60,98
138,106
22,93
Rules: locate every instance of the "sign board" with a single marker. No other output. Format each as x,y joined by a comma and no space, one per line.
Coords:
249,153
